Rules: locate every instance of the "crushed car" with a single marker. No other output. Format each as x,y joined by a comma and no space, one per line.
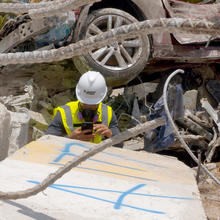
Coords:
120,61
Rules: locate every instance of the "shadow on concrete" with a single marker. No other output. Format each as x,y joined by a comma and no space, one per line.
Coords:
29,212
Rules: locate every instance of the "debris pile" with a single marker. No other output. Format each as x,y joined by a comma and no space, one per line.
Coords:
201,129
197,120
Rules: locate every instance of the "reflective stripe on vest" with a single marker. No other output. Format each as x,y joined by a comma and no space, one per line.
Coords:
69,118
104,114
69,111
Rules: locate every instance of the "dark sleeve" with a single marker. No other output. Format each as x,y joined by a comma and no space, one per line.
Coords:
114,128
56,127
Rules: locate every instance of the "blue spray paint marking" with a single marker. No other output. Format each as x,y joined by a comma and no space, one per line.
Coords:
67,149
104,171
116,191
100,199
118,204
99,161
66,152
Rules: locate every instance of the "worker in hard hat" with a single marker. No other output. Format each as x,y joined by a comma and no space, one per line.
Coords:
90,91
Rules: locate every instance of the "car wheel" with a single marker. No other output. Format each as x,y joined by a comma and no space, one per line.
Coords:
119,62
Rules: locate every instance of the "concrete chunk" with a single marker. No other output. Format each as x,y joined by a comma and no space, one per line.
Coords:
116,184
141,90
19,125
5,131
37,120
190,99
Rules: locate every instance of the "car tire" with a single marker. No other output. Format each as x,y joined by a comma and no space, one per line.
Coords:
128,58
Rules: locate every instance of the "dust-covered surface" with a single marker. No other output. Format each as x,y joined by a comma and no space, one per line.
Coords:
209,191
210,195
115,184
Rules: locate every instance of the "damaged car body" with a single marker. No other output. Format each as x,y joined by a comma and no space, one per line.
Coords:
124,62
120,62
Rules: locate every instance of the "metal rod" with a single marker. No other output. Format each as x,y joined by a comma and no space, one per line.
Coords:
175,128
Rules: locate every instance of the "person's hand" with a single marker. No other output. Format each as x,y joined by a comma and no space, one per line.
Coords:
81,135
102,129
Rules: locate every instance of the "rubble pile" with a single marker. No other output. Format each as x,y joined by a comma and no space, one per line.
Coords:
195,111
197,119
199,125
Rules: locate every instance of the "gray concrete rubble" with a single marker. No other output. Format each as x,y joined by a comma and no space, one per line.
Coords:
190,100
19,133
16,101
116,184
13,130
16,121
141,90
5,131
37,120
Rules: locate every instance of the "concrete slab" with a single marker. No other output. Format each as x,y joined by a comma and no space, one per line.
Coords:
116,184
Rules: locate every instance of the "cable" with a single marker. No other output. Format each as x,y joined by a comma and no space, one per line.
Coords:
175,128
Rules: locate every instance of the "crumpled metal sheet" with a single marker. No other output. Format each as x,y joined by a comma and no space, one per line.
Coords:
182,9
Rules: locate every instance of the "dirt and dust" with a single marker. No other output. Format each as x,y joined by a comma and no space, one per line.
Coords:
210,194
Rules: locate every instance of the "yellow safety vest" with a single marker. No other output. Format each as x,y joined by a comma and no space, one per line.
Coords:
70,119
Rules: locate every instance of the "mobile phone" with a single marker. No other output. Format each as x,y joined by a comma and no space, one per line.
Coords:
87,126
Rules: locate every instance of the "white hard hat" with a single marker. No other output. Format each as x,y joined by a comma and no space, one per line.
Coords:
91,88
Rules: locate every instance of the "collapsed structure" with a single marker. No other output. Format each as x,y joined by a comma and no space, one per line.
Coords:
145,27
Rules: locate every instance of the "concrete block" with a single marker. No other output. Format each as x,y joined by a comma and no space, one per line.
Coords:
116,184
37,120
116,92
19,129
190,100
141,90
5,131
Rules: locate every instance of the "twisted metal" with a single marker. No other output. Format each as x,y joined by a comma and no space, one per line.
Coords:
170,25
182,9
